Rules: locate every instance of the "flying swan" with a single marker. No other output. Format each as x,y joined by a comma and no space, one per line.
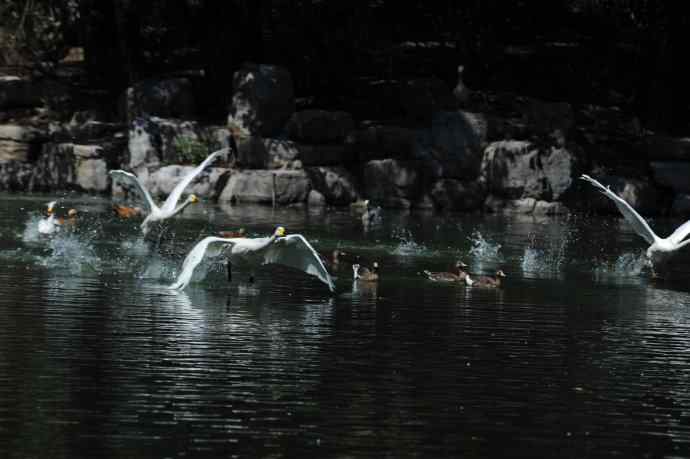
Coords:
292,250
661,249
169,207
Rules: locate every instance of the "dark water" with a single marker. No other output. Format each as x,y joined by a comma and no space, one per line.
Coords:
579,355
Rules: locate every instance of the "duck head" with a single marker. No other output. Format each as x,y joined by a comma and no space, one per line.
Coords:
279,232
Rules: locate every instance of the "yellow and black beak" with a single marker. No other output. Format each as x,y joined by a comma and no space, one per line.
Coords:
280,231
193,199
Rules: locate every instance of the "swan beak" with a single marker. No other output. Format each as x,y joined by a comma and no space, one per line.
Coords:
193,199
280,231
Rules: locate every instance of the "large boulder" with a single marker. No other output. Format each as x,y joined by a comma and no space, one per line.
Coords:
422,97
20,143
164,97
15,175
520,169
336,184
526,206
18,92
639,192
452,194
319,126
258,186
672,174
455,142
382,141
388,180
258,153
263,99
155,141
208,184
55,168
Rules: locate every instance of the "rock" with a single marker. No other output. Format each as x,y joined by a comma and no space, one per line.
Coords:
389,179
546,208
544,118
316,199
85,132
256,186
257,153
672,174
206,185
422,97
18,92
55,168
335,184
167,97
19,133
325,155
155,141
92,174
18,151
451,194
666,148
15,175
519,169
455,141
263,99
383,141
319,126
499,205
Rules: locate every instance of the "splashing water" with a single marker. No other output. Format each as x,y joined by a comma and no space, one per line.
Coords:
73,253
626,265
31,233
406,245
549,260
484,249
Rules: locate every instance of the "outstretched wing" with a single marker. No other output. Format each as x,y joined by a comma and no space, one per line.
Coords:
174,196
294,251
636,221
193,259
680,233
134,180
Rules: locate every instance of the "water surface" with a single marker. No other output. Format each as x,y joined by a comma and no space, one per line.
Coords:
581,354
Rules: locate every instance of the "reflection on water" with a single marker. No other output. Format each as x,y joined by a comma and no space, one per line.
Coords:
580,351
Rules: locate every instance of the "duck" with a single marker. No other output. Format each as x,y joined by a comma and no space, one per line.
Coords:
71,219
50,224
233,234
458,275
127,212
365,274
486,281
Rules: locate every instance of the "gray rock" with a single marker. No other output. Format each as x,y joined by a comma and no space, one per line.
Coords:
256,186
640,193
544,118
15,175
499,205
319,126
91,174
18,92
390,179
316,199
519,169
336,184
55,168
20,133
681,205
455,141
666,148
17,151
325,155
383,141
167,97
672,174
422,97
161,182
263,99
451,194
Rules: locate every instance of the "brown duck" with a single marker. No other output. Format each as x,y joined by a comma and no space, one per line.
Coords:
458,274
365,274
486,281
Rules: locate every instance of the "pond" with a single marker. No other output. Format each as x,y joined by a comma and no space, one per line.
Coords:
580,353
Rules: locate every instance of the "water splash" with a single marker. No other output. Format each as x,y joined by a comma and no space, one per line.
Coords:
30,233
626,265
71,252
406,245
549,260
483,249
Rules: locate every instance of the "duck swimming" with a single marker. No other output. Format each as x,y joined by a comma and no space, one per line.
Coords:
458,275
365,274
486,281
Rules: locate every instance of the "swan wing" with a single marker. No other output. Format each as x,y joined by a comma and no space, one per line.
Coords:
638,223
174,196
680,233
296,252
134,180
193,259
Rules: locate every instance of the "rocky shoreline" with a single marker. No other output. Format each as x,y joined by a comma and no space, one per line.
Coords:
453,149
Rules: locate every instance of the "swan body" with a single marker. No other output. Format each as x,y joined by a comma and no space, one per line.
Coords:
292,250
448,276
169,207
660,249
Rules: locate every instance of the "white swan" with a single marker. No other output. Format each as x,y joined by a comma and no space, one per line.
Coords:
660,249
292,250
49,225
169,208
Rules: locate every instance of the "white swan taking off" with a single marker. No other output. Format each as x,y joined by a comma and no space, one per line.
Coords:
49,225
292,250
661,248
169,207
